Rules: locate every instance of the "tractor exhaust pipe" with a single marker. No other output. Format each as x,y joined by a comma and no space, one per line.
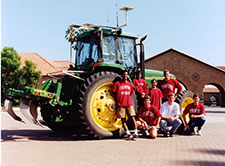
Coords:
142,57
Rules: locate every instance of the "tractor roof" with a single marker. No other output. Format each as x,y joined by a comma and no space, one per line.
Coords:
87,31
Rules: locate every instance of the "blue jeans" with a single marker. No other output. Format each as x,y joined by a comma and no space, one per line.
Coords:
199,122
175,124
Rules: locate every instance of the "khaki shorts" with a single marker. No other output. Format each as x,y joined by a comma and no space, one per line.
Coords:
121,111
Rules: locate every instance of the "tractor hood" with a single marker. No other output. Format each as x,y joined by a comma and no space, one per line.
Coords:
154,74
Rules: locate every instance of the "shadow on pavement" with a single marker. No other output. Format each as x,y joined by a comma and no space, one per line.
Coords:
220,112
212,151
42,135
217,152
197,163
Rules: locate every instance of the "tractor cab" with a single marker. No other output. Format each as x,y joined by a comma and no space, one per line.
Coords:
102,46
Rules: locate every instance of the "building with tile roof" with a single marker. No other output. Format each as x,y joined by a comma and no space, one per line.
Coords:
45,65
191,72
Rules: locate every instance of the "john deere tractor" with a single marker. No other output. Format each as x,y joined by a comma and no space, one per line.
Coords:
78,100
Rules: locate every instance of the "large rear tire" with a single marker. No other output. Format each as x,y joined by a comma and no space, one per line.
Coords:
98,107
183,99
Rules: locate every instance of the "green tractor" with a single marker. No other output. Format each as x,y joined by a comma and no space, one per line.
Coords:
79,100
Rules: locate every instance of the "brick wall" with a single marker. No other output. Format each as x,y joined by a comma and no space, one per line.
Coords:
193,73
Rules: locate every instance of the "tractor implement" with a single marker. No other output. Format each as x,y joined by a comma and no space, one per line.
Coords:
31,98
8,107
29,112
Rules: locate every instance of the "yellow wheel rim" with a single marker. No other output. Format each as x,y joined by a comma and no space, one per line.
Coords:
103,108
185,103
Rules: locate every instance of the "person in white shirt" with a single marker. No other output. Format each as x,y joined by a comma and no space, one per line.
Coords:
170,111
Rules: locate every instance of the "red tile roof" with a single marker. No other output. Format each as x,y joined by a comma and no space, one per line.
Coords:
221,67
64,65
43,64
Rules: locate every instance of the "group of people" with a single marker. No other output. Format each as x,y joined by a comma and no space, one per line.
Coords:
157,109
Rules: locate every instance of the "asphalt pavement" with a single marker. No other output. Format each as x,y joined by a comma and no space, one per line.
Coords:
27,144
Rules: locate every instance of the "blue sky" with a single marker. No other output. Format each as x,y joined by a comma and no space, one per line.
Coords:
194,27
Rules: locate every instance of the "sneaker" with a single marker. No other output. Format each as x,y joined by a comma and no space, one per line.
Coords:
145,132
196,131
166,134
171,134
135,137
129,137
199,132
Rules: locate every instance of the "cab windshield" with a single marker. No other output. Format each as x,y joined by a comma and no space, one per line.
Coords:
125,50
88,51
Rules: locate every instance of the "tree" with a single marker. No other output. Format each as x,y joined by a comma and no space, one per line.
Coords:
71,36
12,74
28,74
10,63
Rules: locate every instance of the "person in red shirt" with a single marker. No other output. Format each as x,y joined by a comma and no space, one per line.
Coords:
196,112
168,85
149,118
141,88
140,85
123,90
156,94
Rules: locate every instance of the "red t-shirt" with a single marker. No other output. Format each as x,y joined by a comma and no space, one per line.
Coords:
194,110
141,86
123,93
156,95
169,86
149,115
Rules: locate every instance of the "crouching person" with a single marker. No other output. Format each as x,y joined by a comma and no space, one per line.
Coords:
170,111
148,118
196,112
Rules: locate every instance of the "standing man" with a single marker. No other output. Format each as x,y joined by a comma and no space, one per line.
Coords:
170,116
141,88
149,118
123,90
196,112
156,95
168,85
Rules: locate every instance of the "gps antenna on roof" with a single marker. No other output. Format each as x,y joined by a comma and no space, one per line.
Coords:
126,9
